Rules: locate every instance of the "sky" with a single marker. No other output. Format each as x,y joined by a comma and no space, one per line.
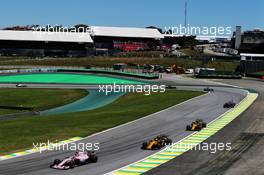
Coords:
133,13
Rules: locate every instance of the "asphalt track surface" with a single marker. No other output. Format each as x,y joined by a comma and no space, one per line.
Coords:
246,135
121,146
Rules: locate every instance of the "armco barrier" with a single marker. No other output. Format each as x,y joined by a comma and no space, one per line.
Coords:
188,142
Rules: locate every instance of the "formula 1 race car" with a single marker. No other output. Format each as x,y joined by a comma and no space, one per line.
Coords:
208,89
229,104
21,85
78,159
197,125
157,143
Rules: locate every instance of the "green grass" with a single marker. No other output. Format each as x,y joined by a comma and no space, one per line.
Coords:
191,52
8,111
224,65
40,99
20,133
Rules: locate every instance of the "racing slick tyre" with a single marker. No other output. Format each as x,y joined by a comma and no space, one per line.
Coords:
94,159
144,145
198,129
77,162
71,164
169,142
156,147
188,128
55,162
204,125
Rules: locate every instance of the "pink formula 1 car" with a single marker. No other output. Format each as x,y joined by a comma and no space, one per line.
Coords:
78,159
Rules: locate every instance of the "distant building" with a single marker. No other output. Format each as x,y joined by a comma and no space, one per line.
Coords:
251,63
58,41
24,41
253,37
40,44
251,57
125,39
248,41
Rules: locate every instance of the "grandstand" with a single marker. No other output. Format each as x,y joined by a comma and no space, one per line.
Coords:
124,39
40,44
108,39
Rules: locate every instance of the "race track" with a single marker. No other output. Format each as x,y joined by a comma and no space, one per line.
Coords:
246,136
121,146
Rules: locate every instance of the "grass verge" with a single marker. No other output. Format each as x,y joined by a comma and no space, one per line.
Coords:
39,99
19,134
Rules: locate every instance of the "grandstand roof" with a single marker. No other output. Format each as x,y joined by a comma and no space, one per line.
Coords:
126,32
45,36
